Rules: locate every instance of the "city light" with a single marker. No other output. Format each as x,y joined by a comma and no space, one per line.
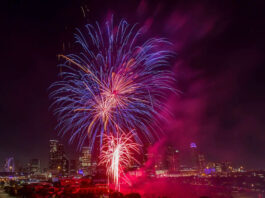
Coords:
193,145
132,99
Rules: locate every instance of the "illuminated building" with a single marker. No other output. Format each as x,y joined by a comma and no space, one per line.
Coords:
34,166
197,159
85,164
194,156
226,166
201,162
54,156
213,168
160,163
58,162
73,167
65,165
193,145
218,167
172,159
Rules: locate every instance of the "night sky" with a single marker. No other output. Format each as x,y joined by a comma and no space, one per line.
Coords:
219,69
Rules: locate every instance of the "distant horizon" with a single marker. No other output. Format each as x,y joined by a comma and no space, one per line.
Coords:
186,151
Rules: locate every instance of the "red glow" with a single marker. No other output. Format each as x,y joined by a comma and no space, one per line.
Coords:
116,155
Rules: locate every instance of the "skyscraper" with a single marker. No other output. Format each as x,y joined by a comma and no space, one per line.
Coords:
201,162
172,159
85,165
73,167
58,161
34,166
194,155
54,156
65,165
226,166
197,159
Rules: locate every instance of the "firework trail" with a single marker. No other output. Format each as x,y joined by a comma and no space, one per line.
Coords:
117,154
114,83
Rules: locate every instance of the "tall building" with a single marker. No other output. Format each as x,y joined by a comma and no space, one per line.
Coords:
160,163
197,159
34,166
201,162
172,159
58,161
194,155
226,166
10,165
73,167
218,167
54,156
85,164
65,165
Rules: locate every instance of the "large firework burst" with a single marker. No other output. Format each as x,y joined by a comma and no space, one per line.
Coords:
114,83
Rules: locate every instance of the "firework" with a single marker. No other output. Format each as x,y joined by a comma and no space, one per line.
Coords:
117,154
114,83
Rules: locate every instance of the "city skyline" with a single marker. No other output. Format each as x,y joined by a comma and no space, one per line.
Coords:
171,158
167,170
219,70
